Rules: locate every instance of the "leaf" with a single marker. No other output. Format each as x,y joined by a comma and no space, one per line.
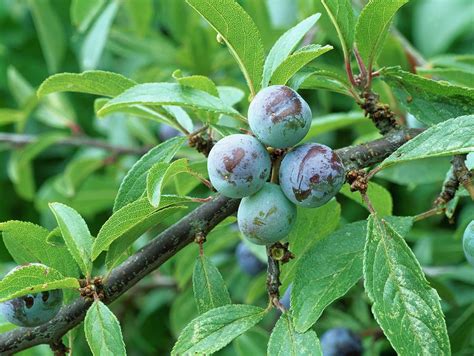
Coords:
131,220
404,305
431,102
326,272
103,333
33,278
76,235
159,174
332,122
200,82
76,172
253,342
372,28
380,198
134,183
451,137
209,288
230,95
292,64
10,116
343,19
320,79
456,76
240,34
84,11
285,45
95,82
50,32
311,225
94,42
213,330
28,243
167,94
286,341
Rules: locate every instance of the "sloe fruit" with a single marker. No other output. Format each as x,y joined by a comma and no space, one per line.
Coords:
468,242
285,300
266,216
248,262
165,132
311,175
340,342
32,309
279,116
238,166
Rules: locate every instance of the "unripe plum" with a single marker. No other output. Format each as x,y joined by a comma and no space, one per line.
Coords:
279,116
468,243
311,175
238,166
266,216
340,342
248,262
32,309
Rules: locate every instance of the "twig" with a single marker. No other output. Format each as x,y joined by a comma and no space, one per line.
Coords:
273,280
462,173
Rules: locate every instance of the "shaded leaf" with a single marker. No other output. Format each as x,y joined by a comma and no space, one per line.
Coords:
83,12
380,198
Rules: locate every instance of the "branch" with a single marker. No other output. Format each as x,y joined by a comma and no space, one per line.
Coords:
169,242
20,140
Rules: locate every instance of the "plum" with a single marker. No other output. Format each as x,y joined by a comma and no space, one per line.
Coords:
248,262
311,174
238,166
285,300
266,216
279,116
340,342
166,132
468,242
32,309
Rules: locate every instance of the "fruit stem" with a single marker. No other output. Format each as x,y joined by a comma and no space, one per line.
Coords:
276,169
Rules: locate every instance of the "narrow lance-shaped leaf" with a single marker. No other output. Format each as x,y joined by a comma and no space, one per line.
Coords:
452,137
103,333
168,94
285,45
33,278
372,28
431,102
286,341
405,306
84,11
76,235
240,34
215,329
343,19
209,288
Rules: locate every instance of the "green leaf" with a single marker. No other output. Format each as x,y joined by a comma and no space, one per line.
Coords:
95,82
253,342
455,75
168,94
332,122
83,12
320,79
134,184
33,278
285,45
10,116
286,341
326,272
159,174
372,28
103,333
50,32
213,330
76,235
200,82
209,288
310,227
77,172
404,305
230,95
343,19
94,42
451,137
240,34
131,220
20,169
141,15
28,243
292,64
431,102
380,198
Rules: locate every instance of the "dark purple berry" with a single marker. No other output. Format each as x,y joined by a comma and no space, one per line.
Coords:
248,262
340,342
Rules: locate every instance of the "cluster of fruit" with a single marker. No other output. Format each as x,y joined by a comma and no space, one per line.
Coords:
239,166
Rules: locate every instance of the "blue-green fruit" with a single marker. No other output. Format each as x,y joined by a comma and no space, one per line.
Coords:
468,242
311,175
32,309
266,216
238,166
279,116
